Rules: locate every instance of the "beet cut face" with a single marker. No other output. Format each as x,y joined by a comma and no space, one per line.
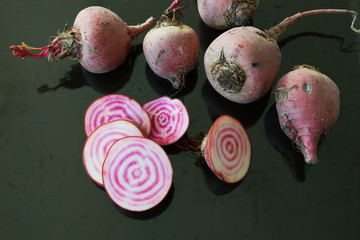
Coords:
137,173
99,142
169,119
115,106
227,149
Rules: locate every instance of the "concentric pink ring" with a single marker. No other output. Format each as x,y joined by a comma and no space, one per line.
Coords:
137,173
115,106
169,119
227,149
100,141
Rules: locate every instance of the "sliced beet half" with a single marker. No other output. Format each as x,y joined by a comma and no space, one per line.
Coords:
137,173
227,149
169,119
99,142
115,106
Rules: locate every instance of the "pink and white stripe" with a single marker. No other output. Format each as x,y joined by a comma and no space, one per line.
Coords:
115,106
100,141
169,119
227,149
137,173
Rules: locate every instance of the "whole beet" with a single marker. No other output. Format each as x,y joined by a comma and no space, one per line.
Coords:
243,62
172,48
225,14
99,39
307,103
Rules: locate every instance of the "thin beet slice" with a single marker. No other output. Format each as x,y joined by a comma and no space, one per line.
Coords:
115,106
169,119
99,142
227,149
137,173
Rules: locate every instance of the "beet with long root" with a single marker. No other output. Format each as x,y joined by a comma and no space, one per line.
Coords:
307,103
243,62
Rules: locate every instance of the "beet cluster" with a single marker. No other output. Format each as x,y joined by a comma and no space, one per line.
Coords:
124,151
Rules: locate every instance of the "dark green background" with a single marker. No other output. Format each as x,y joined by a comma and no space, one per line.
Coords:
46,193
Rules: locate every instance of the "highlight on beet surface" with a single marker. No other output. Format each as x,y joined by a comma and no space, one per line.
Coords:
99,142
115,106
169,119
137,173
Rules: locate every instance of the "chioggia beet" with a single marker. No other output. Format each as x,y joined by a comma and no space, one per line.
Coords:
243,62
226,149
172,48
307,103
169,119
137,173
225,14
99,40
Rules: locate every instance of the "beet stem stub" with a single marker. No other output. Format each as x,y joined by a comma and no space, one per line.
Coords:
240,13
140,28
227,74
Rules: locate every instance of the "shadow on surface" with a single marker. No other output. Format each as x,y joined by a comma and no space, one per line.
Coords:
72,79
247,114
163,86
206,34
110,82
151,213
277,138
105,83
215,184
341,40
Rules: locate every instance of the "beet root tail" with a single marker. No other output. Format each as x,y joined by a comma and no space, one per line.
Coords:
308,147
278,29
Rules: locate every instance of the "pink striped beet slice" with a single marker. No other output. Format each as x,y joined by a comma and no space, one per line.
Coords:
227,149
137,173
169,119
115,106
99,142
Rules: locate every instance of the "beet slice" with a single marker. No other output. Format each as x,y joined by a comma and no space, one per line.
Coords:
169,119
227,149
99,142
115,106
137,173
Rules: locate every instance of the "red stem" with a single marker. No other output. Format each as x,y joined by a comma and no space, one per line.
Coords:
278,29
191,144
22,51
174,5
51,50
